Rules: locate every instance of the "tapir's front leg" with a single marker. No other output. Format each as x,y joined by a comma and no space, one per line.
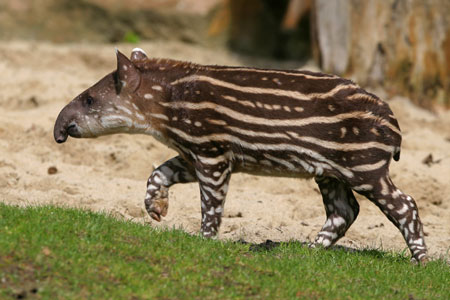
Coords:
213,177
175,170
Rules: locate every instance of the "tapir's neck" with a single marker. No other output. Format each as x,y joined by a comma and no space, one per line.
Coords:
155,91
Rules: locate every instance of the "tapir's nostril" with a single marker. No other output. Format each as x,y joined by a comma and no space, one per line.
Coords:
60,140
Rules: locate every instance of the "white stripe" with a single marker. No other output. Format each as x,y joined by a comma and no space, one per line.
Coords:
272,122
160,116
369,167
259,146
309,76
280,161
124,109
256,90
257,133
243,102
343,146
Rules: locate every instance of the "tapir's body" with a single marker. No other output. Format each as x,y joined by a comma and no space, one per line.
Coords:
268,122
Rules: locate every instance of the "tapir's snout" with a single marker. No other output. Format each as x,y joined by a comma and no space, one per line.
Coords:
60,131
65,125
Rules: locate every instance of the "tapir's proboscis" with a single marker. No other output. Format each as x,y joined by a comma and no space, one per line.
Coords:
222,120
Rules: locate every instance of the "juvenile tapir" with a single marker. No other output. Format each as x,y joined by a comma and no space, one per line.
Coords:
223,120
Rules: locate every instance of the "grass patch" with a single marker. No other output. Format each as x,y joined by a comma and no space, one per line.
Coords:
49,252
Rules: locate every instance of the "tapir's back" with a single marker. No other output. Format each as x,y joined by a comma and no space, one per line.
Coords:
283,120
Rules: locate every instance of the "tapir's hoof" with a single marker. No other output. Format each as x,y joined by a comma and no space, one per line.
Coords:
423,261
158,208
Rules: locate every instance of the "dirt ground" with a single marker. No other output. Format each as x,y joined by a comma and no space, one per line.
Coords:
109,173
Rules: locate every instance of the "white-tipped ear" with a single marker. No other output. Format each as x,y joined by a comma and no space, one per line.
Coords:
128,75
138,55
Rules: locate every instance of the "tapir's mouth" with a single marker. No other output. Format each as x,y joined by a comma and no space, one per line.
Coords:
72,130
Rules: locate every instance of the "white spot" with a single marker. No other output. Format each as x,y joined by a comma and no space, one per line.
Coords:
331,107
298,108
148,96
174,118
139,116
286,108
198,124
277,81
332,194
135,106
355,130
211,211
125,67
264,78
157,88
188,121
338,221
403,209
219,209
390,206
205,197
216,174
124,109
343,132
384,188
152,187
411,227
382,201
157,180
375,131
364,187
326,243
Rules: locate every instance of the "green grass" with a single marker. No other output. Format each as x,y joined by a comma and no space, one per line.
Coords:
56,253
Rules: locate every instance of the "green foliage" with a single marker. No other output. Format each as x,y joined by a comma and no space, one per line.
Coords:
131,37
59,253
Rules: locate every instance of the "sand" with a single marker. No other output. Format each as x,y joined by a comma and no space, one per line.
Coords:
109,173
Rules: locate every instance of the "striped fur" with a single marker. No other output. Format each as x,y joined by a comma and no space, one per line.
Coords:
223,120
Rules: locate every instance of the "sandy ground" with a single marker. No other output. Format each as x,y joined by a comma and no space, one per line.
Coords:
110,173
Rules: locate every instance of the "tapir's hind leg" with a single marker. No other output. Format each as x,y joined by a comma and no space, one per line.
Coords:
401,210
341,208
175,170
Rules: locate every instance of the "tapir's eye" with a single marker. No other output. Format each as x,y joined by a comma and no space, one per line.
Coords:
89,100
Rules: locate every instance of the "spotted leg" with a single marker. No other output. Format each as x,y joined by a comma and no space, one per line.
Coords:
401,210
341,208
213,177
175,170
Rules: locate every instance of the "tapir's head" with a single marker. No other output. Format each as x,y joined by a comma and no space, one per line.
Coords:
106,107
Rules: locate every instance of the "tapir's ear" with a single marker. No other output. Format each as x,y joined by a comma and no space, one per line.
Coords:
128,76
138,55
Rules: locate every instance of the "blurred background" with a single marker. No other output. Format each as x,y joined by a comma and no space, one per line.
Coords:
400,45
